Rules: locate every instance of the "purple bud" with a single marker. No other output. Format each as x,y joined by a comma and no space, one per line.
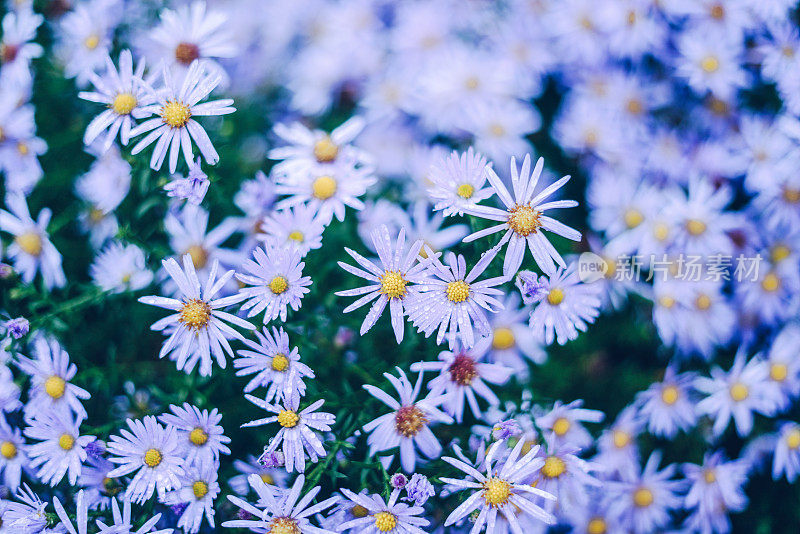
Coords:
179,508
272,459
399,481
18,327
419,489
506,429
6,271
95,449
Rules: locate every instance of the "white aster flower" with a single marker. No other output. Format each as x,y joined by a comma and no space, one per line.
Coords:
19,29
463,377
124,524
200,433
175,127
523,220
383,516
408,424
51,388
668,405
123,92
86,35
275,274
13,457
275,365
298,432
153,452
31,250
283,512
199,328
197,491
28,516
296,228
107,182
457,182
120,268
61,448
564,420
390,283
504,490
451,300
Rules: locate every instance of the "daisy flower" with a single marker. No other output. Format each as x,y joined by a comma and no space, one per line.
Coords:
28,516
744,389
457,182
523,220
61,448
408,424
199,431
787,452
503,490
123,92
452,300
296,228
307,148
282,512
51,373
153,452
326,189
189,33
31,250
197,491
564,305
383,516
13,457
275,365
298,431
19,29
716,489
564,420
199,328
275,274
124,523
390,283
644,501
464,377
120,268
175,127
668,405
86,35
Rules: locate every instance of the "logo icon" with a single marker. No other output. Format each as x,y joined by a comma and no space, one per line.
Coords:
591,267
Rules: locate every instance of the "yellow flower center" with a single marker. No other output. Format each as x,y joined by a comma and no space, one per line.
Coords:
709,476
739,392
709,64
771,282
22,148
717,11
8,450
199,256
666,301
278,285
503,339
561,426
55,386
778,372
176,114
555,296
524,220
792,439
325,150
288,418
792,196
553,467
634,106
91,42
267,479
472,83
497,130
633,218
280,363
359,511
695,227
200,489
385,522
198,436
283,525
780,253
30,243
124,103
195,314
152,458
409,420
597,525
185,53
465,190
457,291
324,187
393,285
621,439
643,497
661,231
496,491
297,235
66,442
703,302
669,395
